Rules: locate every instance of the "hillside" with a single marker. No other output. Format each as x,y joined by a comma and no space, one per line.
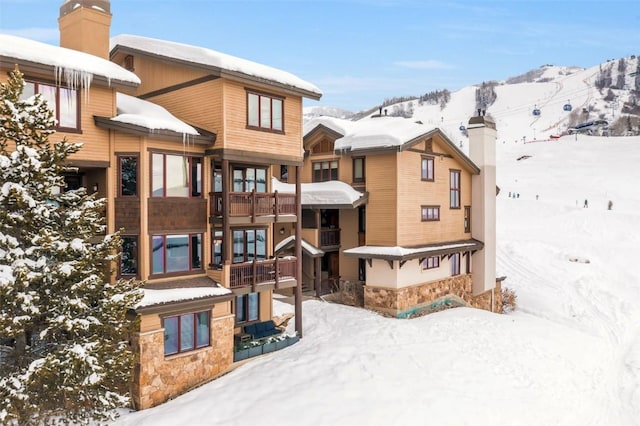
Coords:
609,91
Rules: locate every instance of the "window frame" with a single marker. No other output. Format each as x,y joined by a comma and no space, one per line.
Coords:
454,261
431,262
195,345
135,257
137,175
193,161
424,170
455,190
246,308
191,260
467,219
329,169
362,178
425,213
57,109
245,245
270,99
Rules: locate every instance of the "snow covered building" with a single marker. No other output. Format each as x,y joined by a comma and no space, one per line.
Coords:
181,141
423,238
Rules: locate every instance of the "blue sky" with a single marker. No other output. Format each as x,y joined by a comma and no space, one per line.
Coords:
360,52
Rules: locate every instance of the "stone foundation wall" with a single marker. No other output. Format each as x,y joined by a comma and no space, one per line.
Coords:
452,291
157,378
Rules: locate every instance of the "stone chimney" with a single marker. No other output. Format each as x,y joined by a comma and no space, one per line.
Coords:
482,151
84,26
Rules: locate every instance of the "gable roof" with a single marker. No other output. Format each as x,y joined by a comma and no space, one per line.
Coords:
379,134
77,69
215,63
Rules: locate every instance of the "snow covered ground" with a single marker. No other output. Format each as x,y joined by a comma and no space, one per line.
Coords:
570,354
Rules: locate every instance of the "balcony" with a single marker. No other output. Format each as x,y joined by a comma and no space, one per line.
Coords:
255,207
329,237
278,273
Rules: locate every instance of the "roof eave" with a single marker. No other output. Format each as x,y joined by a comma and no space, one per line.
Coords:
183,305
474,245
108,123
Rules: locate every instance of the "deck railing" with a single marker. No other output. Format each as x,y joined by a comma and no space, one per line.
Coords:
329,237
254,204
272,271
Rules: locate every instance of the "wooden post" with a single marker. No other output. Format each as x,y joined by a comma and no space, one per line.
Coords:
318,277
298,287
226,227
276,206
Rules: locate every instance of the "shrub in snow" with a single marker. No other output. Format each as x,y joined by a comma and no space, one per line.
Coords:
63,330
509,299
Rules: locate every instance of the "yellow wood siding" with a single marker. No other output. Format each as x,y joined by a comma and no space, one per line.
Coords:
348,239
382,214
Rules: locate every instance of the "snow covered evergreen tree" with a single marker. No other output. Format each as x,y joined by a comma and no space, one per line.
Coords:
63,332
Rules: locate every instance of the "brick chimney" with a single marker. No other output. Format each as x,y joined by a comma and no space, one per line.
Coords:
482,151
84,26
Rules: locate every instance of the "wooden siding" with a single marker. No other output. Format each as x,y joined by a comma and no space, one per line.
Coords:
348,239
128,215
236,135
414,193
382,213
168,215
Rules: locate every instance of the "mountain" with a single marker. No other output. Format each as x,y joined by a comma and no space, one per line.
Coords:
318,111
542,103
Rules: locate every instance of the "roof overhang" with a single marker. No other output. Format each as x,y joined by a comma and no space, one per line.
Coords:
357,203
307,247
204,138
419,252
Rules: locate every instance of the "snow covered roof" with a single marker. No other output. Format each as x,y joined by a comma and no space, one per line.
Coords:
77,69
138,116
406,253
311,250
334,193
226,65
147,114
155,297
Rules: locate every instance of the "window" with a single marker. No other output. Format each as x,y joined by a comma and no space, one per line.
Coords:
62,101
176,176
431,262
247,307
128,176
325,170
264,112
129,259
186,332
427,169
216,244
358,169
467,219
176,253
249,245
454,189
430,213
247,179
454,260
362,270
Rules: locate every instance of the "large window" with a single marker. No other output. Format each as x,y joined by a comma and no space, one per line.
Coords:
62,101
176,175
186,332
325,170
454,189
358,169
176,253
128,171
247,307
264,111
249,245
246,179
427,172
129,258
430,213
454,260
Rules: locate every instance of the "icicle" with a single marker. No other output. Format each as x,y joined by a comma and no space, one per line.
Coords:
74,79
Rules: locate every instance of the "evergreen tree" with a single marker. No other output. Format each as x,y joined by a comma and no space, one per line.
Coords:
63,332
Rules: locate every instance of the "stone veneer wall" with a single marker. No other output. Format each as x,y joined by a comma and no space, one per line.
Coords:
395,302
157,378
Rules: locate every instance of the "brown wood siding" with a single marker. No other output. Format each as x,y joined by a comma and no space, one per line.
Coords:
414,193
382,214
128,215
236,135
177,215
348,239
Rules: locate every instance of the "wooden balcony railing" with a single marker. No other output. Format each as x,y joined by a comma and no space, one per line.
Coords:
254,204
272,271
329,237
